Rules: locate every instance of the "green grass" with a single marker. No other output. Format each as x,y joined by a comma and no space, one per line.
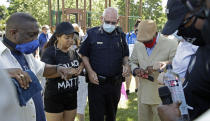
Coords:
127,111
130,113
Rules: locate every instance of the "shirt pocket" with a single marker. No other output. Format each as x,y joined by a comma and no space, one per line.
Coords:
100,45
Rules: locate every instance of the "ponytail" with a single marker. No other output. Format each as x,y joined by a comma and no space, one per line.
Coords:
51,42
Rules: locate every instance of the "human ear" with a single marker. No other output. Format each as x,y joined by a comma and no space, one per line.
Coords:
13,33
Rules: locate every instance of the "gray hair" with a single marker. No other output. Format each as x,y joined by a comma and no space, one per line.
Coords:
110,9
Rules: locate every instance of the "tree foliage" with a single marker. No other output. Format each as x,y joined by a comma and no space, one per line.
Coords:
152,9
3,15
37,8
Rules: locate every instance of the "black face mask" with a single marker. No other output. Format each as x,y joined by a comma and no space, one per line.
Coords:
206,30
191,34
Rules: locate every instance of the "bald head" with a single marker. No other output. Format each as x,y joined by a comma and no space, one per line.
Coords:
18,19
21,28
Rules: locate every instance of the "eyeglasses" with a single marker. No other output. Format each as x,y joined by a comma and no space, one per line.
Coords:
110,22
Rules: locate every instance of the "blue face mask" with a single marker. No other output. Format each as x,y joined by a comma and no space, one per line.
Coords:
109,28
29,47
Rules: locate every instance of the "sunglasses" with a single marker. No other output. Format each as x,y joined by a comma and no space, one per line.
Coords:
110,22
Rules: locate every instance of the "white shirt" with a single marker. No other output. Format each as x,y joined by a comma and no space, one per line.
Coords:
8,103
182,58
28,112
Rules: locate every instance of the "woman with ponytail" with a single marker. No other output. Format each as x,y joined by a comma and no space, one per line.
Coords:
60,96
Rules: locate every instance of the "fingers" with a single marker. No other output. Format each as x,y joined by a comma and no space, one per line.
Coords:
125,74
24,79
20,81
93,78
126,71
65,73
68,74
178,103
163,65
79,70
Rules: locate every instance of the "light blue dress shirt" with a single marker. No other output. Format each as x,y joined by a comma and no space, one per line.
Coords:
149,50
182,58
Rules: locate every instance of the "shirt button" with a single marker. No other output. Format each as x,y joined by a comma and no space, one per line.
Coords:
33,116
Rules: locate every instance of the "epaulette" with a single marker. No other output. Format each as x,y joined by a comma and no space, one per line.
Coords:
93,29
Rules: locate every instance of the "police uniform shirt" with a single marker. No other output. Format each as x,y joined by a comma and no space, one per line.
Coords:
56,86
197,84
105,51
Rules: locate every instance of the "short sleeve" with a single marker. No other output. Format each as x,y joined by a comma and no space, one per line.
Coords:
48,56
39,67
78,56
126,50
85,47
40,40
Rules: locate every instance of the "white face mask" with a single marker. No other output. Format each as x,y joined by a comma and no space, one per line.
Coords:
109,28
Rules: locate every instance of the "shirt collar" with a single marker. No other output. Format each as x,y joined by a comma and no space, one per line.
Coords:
2,47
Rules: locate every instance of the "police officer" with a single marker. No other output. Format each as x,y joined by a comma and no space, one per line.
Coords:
105,56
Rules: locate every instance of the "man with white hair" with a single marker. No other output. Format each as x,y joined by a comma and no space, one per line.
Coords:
105,56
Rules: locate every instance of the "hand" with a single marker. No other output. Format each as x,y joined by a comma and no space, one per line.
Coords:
93,77
22,77
66,73
160,65
74,71
169,112
126,70
150,69
79,71
160,78
140,72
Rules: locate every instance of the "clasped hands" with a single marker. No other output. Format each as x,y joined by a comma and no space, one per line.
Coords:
67,73
144,73
24,79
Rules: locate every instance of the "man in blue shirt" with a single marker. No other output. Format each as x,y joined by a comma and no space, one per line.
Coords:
43,38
